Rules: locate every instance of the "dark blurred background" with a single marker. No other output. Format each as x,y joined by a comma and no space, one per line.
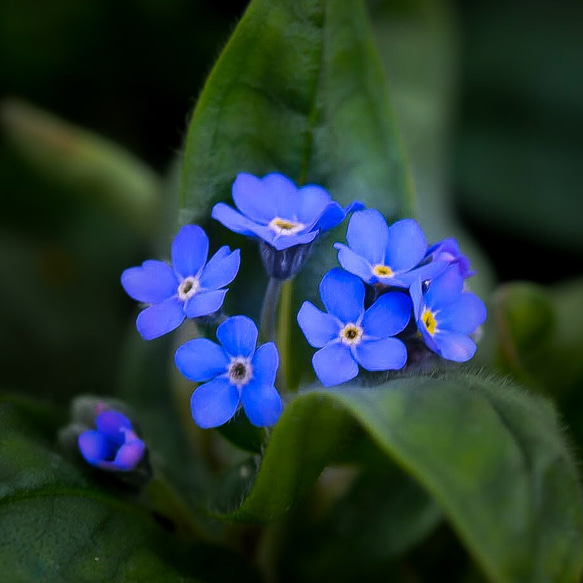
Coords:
131,70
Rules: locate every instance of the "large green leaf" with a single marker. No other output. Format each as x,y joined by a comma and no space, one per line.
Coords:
62,522
383,514
298,90
492,456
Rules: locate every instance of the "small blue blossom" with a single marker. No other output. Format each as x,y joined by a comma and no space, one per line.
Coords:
234,374
448,253
190,287
113,445
276,211
348,335
446,315
383,255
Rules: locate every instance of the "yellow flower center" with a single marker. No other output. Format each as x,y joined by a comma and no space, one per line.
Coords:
351,334
429,320
285,227
381,270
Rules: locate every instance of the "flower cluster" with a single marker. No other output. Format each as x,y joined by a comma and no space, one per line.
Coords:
408,281
392,291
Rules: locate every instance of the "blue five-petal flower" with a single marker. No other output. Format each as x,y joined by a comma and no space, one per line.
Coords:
276,211
190,287
446,315
389,256
113,445
234,374
347,335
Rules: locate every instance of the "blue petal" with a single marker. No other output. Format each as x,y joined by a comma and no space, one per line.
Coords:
416,291
214,403
238,223
151,283
406,245
314,200
265,363
129,455
388,316
334,364
286,241
262,403
464,316
343,295
454,346
204,303
238,335
160,319
189,250
252,198
283,194
93,446
383,354
111,422
332,216
367,235
221,269
423,273
354,263
318,327
201,360
445,288
353,207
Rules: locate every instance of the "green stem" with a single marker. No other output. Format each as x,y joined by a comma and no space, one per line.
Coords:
284,334
161,497
268,319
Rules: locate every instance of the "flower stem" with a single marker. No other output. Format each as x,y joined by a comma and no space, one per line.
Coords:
268,319
284,334
161,497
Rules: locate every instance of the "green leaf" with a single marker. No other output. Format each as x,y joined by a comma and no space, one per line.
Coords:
492,456
298,90
383,514
63,522
540,334
84,163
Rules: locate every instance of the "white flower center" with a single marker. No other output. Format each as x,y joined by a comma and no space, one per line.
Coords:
351,334
285,227
188,287
240,371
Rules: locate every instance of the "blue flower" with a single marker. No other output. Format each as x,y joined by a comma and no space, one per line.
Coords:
234,374
348,335
383,255
190,287
448,253
446,315
276,211
114,445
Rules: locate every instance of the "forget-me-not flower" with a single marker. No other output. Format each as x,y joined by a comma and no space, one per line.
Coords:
286,219
234,373
190,287
448,252
446,315
383,255
275,210
347,335
113,445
